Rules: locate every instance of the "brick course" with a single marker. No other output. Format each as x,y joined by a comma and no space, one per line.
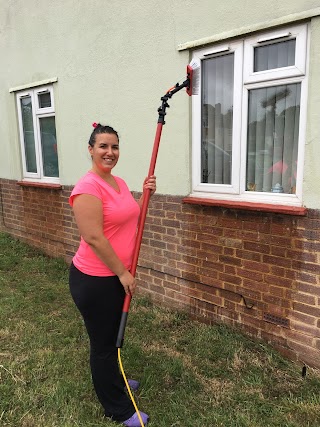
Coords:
39,216
254,270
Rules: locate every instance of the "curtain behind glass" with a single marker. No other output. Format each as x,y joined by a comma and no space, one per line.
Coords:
272,142
28,134
217,114
276,55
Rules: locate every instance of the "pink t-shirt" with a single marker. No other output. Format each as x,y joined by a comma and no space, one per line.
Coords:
120,219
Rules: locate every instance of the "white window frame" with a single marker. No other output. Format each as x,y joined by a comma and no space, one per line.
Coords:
37,114
298,32
246,79
225,49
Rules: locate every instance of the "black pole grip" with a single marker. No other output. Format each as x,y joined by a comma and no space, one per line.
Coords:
122,328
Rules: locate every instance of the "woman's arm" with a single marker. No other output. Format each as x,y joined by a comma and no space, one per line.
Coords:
151,184
89,218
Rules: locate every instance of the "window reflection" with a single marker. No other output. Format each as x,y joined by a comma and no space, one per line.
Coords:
272,142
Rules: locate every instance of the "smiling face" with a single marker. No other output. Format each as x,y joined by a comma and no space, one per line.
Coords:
104,153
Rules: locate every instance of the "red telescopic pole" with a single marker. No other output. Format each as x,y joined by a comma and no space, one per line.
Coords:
143,214
145,203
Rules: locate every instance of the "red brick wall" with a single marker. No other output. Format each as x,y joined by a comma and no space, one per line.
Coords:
257,271
254,270
39,216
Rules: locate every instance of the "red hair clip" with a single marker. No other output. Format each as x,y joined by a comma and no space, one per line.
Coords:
95,124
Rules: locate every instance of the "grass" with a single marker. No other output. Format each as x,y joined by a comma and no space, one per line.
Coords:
192,375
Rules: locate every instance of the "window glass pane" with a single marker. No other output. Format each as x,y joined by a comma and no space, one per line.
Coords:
44,100
277,55
28,134
217,113
49,146
272,143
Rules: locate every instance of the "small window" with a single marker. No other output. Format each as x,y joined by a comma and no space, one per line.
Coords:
249,120
276,55
44,99
38,134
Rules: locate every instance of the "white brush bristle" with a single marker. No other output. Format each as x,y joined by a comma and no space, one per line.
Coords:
195,83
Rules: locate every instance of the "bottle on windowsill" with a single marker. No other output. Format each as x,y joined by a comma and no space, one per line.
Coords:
277,188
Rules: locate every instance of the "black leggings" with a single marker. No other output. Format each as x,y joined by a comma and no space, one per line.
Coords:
100,301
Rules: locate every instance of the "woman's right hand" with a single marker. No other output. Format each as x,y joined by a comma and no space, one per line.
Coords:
128,282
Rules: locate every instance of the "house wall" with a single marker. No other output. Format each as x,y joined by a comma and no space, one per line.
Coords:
39,216
254,270
257,271
113,61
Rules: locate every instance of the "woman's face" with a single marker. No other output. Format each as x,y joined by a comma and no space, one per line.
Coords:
105,152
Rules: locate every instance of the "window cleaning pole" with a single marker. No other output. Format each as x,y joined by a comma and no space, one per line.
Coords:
146,195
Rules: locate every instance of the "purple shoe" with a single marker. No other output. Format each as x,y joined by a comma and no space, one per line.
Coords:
134,385
134,420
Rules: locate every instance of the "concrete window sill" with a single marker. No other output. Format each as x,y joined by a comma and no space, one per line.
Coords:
47,185
261,207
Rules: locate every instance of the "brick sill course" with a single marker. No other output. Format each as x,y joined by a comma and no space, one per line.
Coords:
40,185
262,207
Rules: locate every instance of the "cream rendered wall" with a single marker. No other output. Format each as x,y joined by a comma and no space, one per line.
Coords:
311,184
114,60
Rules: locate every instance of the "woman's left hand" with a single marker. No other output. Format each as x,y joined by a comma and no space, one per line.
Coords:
150,183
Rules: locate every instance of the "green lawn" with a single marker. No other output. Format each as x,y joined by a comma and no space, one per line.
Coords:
192,375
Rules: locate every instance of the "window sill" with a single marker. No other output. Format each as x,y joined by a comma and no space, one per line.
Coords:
47,185
262,207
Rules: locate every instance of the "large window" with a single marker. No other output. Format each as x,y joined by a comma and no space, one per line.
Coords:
249,120
38,134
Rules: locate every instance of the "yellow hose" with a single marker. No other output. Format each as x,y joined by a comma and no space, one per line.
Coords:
128,388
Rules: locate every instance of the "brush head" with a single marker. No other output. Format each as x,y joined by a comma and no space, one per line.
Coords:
193,74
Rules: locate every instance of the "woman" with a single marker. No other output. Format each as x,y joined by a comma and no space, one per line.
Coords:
107,217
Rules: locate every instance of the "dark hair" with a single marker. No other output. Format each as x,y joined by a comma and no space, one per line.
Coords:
98,128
